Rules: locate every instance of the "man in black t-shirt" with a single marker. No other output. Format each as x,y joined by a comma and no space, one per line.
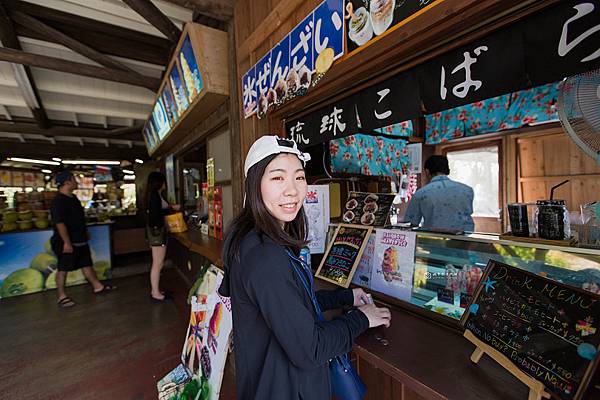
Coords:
70,238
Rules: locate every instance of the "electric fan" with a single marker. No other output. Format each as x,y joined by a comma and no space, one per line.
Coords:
579,111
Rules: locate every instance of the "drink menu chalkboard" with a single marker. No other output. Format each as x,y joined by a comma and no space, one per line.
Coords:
546,329
343,254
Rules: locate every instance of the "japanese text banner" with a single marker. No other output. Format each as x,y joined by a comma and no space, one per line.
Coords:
486,68
394,100
334,121
563,41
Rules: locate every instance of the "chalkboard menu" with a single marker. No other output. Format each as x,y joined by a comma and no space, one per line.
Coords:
343,254
546,329
367,208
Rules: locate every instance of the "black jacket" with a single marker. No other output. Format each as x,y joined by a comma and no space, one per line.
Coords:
281,350
156,214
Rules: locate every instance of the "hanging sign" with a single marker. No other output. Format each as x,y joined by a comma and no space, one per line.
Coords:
331,122
564,38
5,178
558,42
297,62
483,69
394,100
367,20
195,84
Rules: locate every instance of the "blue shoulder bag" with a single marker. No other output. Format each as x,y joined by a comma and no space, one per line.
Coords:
345,382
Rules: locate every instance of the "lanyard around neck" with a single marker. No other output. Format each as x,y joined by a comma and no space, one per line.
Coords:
308,284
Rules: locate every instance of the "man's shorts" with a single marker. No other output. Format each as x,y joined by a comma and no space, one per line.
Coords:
79,258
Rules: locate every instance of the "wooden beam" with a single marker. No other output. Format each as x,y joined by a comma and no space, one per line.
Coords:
9,40
125,131
5,111
87,151
235,111
57,64
57,36
203,19
104,37
108,44
217,9
156,18
70,131
58,19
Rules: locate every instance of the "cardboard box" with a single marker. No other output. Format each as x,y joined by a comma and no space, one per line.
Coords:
218,212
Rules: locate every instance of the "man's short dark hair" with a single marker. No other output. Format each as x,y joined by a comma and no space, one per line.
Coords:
62,177
437,165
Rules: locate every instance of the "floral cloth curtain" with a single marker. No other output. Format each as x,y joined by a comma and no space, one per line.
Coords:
370,155
509,111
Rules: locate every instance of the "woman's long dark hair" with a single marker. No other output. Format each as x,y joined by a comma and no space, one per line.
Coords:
156,180
255,215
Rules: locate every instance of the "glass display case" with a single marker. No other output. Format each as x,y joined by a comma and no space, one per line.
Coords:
447,268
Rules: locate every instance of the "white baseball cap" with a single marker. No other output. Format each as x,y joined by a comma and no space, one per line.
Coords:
271,144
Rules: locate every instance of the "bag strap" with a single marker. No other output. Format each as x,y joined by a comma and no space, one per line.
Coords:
308,284
343,359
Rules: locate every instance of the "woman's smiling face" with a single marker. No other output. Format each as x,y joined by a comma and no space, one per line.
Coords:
283,187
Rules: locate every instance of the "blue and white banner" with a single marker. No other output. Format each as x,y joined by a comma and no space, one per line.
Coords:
286,70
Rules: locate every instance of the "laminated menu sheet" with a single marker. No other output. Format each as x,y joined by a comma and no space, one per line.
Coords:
393,263
316,208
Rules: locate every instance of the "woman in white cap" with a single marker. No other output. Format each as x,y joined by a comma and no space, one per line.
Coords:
282,348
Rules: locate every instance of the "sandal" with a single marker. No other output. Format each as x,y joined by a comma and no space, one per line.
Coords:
65,302
166,299
106,289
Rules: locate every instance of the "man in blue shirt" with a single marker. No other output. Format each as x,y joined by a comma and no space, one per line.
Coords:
443,203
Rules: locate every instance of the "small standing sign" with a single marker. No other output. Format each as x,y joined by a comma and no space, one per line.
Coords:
343,254
544,332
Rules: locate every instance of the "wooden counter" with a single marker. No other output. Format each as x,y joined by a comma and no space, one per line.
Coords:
423,360
201,244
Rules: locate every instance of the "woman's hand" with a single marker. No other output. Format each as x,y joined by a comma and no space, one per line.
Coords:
360,297
377,315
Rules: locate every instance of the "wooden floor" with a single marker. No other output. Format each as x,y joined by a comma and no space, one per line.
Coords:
114,346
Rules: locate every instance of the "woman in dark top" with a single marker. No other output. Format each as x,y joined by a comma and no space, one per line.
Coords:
157,208
281,348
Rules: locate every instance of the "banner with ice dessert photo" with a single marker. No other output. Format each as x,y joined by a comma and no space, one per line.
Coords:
367,19
393,263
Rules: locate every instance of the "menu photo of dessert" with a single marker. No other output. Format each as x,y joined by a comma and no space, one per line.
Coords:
367,19
393,263
369,209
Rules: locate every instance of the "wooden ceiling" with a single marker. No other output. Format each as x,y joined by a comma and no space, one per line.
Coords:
83,73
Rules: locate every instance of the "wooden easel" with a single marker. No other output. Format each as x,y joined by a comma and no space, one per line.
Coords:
536,388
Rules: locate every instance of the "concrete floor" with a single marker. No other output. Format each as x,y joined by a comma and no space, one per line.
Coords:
114,346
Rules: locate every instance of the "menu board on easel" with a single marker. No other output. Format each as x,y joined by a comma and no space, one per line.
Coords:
343,254
536,327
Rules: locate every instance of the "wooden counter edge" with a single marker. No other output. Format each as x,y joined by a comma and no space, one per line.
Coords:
397,374
211,253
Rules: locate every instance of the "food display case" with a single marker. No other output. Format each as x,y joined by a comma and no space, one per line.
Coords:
447,268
